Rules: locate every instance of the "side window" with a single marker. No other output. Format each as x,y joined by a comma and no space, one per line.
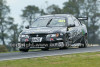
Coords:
77,23
70,20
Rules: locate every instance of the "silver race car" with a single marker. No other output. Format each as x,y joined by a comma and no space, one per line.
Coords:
54,31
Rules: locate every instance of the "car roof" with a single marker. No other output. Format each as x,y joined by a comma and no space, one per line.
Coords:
59,15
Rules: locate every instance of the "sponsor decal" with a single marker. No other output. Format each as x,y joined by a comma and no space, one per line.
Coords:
83,32
61,21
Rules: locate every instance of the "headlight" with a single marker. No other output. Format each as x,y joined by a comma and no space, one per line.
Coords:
26,36
53,35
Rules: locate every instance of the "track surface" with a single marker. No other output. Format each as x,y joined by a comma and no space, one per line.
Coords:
32,54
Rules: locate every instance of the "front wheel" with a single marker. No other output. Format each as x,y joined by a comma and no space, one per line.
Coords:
23,49
65,42
84,42
45,49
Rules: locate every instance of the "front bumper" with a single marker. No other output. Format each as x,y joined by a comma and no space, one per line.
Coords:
53,42
44,40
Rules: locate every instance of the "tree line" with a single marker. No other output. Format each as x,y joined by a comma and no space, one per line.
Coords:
9,31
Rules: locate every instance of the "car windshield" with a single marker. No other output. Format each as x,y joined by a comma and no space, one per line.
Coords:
43,22
57,22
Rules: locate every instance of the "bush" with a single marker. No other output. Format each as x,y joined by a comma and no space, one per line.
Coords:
3,48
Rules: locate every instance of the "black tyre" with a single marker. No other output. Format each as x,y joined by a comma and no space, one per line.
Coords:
84,42
45,49
65,42
61,48
24,49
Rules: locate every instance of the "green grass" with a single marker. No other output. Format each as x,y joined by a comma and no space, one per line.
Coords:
19,51
73,60
9,52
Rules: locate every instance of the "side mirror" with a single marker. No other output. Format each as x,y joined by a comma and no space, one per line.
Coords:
71,25
27,27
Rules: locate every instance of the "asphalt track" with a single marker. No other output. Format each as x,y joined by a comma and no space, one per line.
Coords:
33,54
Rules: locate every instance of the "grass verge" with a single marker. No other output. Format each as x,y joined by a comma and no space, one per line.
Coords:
73,60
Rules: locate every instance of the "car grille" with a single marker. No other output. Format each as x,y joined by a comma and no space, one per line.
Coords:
38,35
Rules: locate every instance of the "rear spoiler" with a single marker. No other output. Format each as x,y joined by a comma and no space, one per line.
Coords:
82,18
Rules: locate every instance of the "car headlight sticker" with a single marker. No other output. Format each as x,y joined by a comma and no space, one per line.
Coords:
53,35
26,36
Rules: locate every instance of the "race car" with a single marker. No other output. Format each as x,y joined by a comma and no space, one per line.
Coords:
54,31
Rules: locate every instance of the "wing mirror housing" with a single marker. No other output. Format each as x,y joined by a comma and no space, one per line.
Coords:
27,27
71,25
